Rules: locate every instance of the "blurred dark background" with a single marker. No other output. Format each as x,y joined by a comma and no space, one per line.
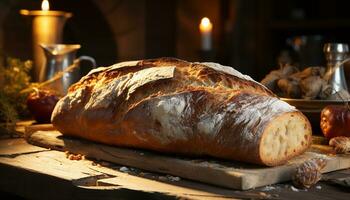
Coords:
250,35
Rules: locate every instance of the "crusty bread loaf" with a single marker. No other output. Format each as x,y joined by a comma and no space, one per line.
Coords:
174,106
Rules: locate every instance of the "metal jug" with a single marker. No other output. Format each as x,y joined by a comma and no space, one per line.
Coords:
58,58
336,55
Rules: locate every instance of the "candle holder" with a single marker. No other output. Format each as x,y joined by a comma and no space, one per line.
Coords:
47,28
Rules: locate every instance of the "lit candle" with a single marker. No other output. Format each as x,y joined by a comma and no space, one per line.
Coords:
45,5
47,28
205,28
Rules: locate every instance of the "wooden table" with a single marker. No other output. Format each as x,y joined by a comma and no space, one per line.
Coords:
38,173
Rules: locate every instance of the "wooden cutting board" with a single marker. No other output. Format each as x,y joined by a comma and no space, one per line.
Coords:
231,174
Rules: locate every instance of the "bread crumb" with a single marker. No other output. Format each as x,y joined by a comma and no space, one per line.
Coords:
72,156
75,157
318,187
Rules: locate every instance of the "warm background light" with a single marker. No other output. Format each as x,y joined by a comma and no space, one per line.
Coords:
205,28
205,25
45,5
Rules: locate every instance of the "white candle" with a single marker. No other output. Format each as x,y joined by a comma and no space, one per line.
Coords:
45,5
205,28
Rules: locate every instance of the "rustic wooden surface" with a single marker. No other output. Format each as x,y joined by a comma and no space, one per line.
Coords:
40,173
230,174
37,172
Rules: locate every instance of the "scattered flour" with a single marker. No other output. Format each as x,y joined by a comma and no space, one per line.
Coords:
124,169
173,178
294,189
168,112
268,188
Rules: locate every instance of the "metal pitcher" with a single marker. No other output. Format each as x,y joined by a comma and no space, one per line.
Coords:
336,55
58,58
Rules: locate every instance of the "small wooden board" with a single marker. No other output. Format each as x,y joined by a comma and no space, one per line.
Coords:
229,174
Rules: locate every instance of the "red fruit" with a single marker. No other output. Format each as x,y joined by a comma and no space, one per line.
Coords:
335,121
41,104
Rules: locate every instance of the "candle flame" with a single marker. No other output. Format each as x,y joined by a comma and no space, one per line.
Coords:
205,21
45,5
205,25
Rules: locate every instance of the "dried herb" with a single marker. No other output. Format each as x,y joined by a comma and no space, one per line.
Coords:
14,77
15,86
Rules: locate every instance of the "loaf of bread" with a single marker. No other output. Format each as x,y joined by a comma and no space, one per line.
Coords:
173,106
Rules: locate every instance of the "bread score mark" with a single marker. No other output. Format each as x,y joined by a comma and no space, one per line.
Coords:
103,94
